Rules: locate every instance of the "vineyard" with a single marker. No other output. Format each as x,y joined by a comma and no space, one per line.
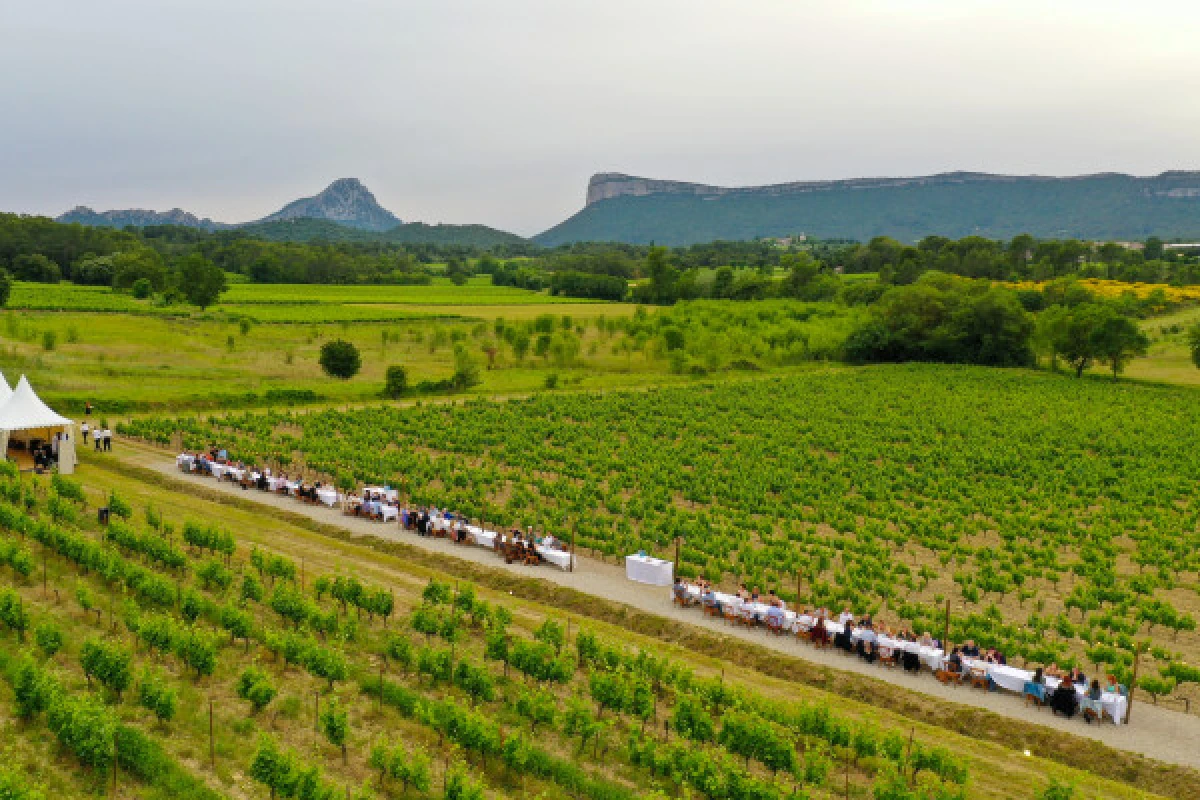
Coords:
1057,518
338,687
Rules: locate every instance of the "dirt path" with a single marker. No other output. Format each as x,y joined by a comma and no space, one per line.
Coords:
1158,733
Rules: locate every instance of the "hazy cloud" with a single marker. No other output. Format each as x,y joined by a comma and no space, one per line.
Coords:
497,112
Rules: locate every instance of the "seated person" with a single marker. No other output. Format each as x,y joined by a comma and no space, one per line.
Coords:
845,617
775,616
1065,700
1053,671
845,639
926,640
969,650
1111,685
1078,678
954,662
679,589
819,632
1091,705
710,599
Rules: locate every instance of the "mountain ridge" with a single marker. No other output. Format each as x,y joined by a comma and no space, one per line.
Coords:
1108,205
345,201
345,211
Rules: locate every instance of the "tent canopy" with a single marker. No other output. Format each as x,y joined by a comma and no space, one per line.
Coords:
24,410
5,391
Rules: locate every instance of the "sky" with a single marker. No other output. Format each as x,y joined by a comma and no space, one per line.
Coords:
498,111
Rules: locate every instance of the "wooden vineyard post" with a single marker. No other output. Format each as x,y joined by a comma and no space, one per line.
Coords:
316,712
677,538
847,775
798,591
212,743
908,756
571,563
381,686
1137,659
116,757
946,631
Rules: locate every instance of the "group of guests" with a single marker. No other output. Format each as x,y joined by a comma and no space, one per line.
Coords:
102,437
1065,699
864,637
371,504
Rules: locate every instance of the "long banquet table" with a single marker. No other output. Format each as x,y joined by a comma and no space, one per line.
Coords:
1013,679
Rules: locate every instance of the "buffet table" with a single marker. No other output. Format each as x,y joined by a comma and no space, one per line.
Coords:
647,569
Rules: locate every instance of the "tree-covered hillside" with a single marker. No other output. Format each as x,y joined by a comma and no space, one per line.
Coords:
1100,207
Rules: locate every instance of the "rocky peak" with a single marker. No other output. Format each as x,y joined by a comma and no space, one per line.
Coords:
346,201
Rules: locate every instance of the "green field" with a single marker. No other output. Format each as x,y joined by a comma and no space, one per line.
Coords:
1059,531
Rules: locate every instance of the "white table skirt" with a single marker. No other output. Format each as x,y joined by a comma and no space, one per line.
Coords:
389,513
185,461
377,491
558,558
328,496
646,569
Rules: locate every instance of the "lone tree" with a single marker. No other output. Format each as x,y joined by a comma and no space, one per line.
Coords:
5,286
200,280
340,359
1194,343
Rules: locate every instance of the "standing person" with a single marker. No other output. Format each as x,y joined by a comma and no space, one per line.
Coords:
107,439
84,430
87,408
98,437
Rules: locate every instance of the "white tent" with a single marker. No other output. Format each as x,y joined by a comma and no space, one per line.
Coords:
24,414
5,389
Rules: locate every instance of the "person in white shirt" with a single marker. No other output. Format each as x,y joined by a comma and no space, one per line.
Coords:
845,616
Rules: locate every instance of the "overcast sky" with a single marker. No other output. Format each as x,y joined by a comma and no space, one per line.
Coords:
498,111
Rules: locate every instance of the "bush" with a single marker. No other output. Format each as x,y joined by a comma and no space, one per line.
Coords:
254,686
340,359
396,381
141,288
155,695
49,638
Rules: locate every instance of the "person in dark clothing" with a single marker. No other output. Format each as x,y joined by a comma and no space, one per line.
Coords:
1064,700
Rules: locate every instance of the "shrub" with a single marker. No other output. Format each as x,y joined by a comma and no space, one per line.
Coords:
396,382
340,359
49,638
141,288
155,695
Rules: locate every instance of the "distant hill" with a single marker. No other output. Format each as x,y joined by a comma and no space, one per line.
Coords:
345,201
310,230
345,211
137,217
626,208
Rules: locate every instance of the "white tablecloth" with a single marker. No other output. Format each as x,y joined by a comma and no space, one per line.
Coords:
185,461
275,484
558,558
377,491
1014,679
647,569
328,496
481,537
389,513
